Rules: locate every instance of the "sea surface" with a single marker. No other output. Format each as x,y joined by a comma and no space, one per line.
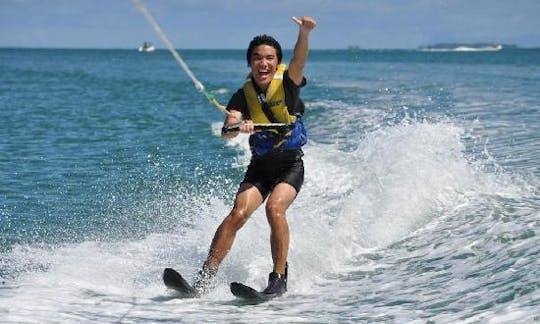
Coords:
421,202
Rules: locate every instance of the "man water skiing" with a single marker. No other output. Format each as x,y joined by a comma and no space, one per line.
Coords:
276,171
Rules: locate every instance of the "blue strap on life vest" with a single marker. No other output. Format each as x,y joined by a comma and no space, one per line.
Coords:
265,141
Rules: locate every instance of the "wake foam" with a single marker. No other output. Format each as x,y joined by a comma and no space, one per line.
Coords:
399,179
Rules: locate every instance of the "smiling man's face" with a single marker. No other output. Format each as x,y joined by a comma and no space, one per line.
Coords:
263,64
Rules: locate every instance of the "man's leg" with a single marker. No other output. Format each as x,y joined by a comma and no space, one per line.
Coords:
279,201
247,200
276,208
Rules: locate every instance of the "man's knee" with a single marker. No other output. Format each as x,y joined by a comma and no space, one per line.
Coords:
274,212
236,219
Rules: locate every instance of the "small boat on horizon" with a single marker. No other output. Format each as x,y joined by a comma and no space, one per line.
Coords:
463,48
147,47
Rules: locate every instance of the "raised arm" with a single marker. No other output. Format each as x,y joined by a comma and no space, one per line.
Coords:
300,54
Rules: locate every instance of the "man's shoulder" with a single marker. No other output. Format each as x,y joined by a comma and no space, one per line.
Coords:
237,101
239,92
239,95
288,82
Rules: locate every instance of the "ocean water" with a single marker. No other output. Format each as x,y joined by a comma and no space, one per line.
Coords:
421,202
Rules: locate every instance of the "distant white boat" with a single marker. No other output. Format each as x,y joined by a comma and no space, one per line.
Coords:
463,48
147,47
489,48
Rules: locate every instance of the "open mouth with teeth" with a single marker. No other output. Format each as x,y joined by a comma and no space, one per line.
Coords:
263,75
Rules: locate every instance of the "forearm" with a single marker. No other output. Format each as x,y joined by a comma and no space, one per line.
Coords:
301,48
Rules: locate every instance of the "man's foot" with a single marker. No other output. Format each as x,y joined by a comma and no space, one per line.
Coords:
277,283
204,280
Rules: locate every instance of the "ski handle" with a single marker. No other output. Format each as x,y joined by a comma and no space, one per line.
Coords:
257,127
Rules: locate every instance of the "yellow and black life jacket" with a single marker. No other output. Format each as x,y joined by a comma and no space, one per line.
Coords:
271,107
274,99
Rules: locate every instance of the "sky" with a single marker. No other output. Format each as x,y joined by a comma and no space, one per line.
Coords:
230,24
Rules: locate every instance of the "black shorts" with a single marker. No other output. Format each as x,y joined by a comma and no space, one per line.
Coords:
265,172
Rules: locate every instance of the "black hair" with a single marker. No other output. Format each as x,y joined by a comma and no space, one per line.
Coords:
263,40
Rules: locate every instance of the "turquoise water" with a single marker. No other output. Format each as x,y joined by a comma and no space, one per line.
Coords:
421,201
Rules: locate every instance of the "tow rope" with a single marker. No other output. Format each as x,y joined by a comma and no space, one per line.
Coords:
198,84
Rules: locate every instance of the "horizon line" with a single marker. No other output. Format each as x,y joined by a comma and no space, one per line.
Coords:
350,48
